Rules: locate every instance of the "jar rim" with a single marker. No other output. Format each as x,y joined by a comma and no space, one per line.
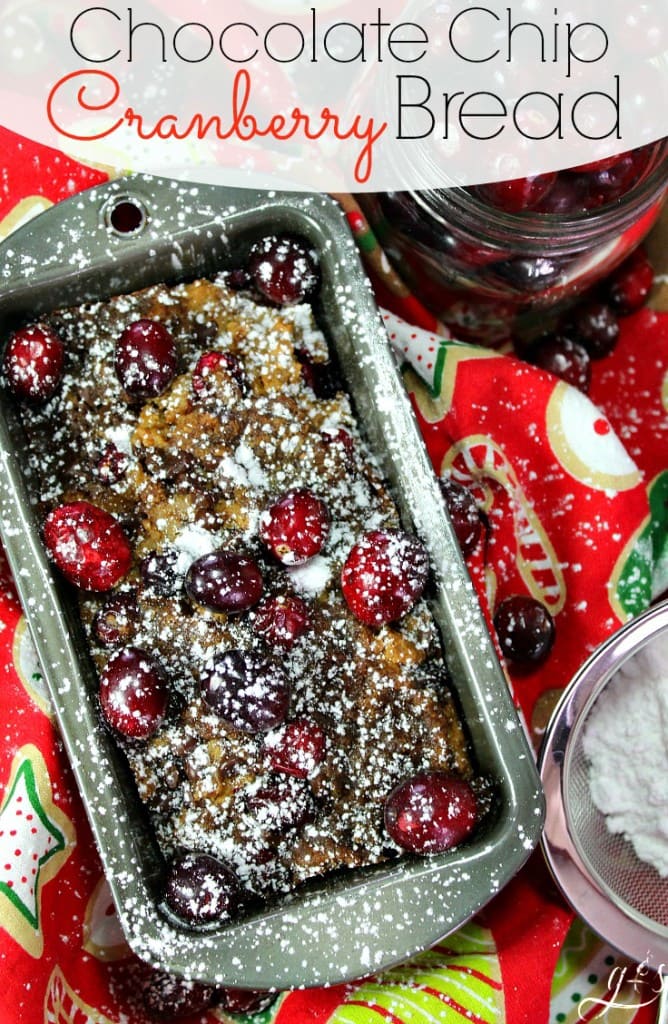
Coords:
484,222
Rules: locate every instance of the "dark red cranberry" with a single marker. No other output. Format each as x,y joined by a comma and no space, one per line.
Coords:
467,253
111,465
87,545
146,358
567,197
297,749
402,211
33,363
246,690
286,804
384,575
283,269
281,620
201,889
404,214
628,288
596,327
518,194
204,333
164,996
463,512
322,378
245,1000
610,183
563,357
343,439
533,274
158,571
117,619
295,527
225,581
431,812
238,279
525,629
210,363
133,693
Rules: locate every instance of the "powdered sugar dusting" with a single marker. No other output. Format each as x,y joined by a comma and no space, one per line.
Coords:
206,458
630,790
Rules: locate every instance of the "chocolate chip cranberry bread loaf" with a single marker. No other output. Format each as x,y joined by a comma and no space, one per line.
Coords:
253,607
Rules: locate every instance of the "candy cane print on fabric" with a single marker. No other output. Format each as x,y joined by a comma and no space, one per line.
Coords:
480,461
62,1005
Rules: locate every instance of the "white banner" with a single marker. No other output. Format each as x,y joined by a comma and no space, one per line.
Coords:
336,96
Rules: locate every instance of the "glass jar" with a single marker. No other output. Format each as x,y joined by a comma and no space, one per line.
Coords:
489,272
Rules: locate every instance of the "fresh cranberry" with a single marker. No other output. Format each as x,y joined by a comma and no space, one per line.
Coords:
246,690
281,620
384,575
597,328
531,274
116,620
210,363
133,693
467,253
463,512
322,378
295,527
87,545
430,812
201,889
628,288
286,804
283,269
297,749
33,363
563,357
518,194
164,996
146,358
402,211
225,581
204,334
340,438
525,629
238,279
567,197
610,183
111,465
245,1000
158,571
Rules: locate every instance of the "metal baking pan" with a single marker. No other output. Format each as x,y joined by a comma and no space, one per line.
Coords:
358,922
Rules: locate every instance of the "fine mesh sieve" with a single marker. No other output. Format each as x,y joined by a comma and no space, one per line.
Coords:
609,857
621,897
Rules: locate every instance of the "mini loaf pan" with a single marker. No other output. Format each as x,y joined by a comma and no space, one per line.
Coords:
357,922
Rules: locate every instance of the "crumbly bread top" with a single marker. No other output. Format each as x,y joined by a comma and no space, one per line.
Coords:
193,473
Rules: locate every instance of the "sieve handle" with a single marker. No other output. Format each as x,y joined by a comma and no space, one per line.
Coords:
662,1010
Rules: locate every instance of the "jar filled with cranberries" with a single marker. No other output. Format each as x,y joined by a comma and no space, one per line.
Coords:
491,259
